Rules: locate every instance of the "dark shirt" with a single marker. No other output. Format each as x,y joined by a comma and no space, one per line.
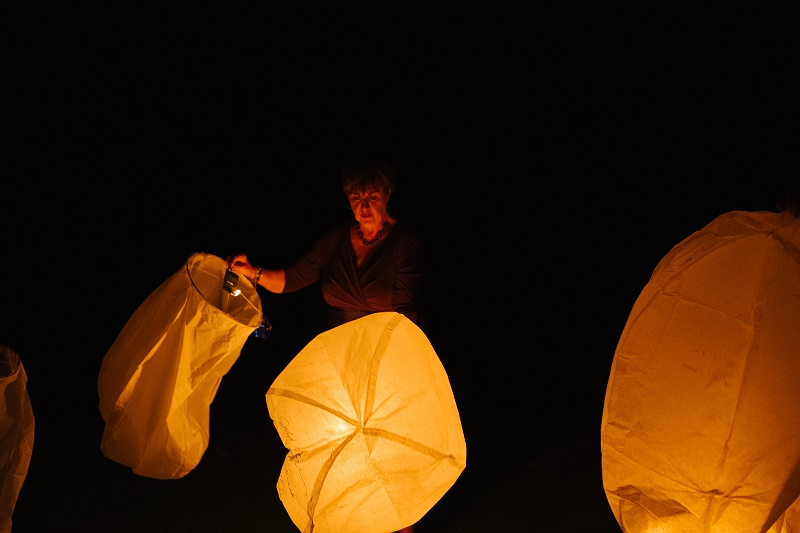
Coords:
388,279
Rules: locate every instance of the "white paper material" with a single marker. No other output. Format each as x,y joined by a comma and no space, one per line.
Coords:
701,425
371,424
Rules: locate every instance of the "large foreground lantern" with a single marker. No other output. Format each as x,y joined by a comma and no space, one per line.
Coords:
701,425
371,424
16,432
158,379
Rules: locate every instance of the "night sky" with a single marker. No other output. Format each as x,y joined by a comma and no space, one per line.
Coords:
550,157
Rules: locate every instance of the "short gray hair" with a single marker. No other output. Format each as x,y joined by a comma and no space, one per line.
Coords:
360,174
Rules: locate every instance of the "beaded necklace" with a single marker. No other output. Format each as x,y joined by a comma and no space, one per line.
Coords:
364,241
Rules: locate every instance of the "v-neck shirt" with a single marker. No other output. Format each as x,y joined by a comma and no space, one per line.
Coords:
388,279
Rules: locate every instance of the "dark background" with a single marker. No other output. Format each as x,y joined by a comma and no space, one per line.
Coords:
551,157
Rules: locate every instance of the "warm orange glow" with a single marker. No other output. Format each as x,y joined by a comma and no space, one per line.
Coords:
16,432
371,425
701,426
159,378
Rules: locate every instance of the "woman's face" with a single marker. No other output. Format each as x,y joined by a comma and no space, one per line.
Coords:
369,205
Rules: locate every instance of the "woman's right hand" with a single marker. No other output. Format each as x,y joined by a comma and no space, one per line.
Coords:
240,265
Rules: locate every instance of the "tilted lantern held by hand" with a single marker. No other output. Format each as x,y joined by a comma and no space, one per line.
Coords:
371,424
158,380
701,425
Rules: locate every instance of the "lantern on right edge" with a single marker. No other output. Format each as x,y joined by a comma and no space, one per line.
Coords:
701,423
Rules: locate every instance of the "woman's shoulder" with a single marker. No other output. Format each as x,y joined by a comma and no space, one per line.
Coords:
407,229
329,239
407,234
334,232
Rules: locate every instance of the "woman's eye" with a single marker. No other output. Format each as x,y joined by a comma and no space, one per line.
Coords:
372,197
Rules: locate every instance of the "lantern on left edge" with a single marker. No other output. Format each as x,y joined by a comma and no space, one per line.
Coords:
158,380
16,433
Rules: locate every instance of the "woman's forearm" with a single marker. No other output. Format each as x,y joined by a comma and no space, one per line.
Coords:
273,280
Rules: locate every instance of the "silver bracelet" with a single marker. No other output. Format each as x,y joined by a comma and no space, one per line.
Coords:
257,276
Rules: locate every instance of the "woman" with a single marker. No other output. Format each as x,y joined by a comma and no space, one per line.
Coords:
372,265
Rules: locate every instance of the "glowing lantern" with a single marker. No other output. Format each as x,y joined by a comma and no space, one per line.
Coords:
16,432
160,376
371,425
789,522
701,425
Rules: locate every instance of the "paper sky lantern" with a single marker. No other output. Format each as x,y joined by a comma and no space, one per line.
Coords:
160,376
16,433
373,432
701,425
